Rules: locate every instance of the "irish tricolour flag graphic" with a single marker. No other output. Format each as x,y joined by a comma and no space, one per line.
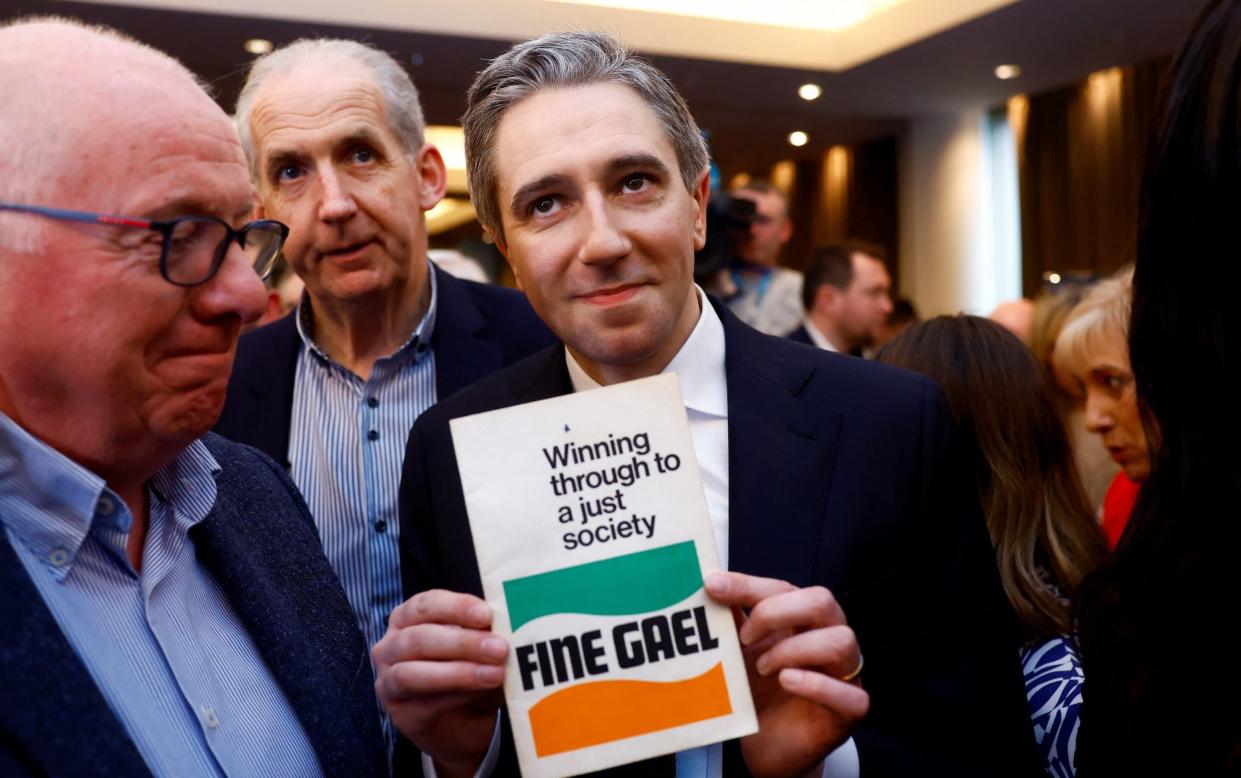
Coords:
616,648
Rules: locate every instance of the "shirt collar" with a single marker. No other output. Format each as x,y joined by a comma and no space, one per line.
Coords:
409,350
818,337
49,503
699,365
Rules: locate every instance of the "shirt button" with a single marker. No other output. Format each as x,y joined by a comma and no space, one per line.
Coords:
372,401
373,435
210,719
106,505
59,557
381,526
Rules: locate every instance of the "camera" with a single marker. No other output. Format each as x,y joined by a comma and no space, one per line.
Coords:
727,215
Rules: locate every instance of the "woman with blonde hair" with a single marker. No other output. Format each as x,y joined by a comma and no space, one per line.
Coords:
1044,532
1091,363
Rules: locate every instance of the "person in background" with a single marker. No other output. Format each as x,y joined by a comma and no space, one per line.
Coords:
1095,466
903,316
167,608
1016,316
847,298
761,292
1044,533
1091,363
333,135
1159,622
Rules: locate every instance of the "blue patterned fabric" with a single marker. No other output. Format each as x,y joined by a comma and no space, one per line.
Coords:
1053,676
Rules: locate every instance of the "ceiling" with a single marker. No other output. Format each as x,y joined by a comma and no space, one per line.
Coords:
748,108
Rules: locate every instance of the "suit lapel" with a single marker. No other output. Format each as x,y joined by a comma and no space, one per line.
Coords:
781,451
51,705
273,610
548,376
461,355
271,390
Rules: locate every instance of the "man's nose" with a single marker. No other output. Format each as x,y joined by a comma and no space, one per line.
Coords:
336,201
235,290
604,241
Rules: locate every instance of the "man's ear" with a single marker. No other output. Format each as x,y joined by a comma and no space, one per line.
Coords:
701,193
786,231
825,297
432,176
504,253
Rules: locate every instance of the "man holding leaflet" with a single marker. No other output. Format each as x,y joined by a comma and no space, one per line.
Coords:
844,508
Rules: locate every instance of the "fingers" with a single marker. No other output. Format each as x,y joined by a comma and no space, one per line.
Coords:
846,700
786,608
439,646
439,641
744,591
441,607
426,680
832,650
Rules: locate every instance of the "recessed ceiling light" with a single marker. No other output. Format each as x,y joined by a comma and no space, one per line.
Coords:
809,91
1053,278
798,138
1007,72
258,46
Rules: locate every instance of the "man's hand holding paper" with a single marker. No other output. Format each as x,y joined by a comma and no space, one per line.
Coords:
439,670
797,648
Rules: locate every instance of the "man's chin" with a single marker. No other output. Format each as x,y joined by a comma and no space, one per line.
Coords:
188,416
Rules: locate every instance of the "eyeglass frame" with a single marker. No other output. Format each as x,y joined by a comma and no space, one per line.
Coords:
165,228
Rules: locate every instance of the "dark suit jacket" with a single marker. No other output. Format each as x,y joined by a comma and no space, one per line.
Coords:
852,479
479,328
261,546
800,335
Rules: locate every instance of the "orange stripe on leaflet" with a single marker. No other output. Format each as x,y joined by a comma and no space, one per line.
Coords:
601,712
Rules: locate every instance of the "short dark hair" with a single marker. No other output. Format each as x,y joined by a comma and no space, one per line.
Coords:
563,61
833,264
903,312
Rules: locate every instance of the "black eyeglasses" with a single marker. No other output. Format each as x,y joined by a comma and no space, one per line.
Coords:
194,247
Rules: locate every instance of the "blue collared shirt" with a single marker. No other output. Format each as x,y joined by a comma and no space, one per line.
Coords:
346,445
164,645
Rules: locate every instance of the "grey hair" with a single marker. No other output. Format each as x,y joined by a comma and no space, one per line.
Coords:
399,94
565,60
1101,317
28,169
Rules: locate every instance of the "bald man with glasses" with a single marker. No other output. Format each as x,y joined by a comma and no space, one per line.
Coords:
167,607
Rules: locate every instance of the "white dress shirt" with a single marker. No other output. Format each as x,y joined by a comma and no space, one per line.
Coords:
817,336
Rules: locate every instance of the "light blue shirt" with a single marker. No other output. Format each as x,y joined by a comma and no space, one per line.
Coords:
346,445
165,647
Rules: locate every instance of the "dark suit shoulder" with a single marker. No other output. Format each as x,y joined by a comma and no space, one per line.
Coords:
848,384
507,318
490,393
256,348
260,388
252,478
800,335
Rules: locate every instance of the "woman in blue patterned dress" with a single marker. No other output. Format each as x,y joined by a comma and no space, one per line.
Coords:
1045,535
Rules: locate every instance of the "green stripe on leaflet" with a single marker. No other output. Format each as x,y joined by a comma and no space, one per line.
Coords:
634,583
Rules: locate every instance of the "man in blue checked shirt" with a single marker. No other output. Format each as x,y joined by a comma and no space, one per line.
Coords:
167,608
333,133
